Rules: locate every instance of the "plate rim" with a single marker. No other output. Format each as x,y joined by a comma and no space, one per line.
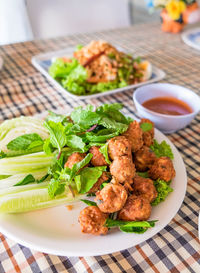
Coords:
146,236
185,38
160,74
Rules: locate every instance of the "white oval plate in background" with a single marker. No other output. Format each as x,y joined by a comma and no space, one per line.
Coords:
57,231
192,37
43,61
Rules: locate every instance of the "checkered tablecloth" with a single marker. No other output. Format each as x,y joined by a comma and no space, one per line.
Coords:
24,91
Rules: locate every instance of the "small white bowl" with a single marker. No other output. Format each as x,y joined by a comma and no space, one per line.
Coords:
166,123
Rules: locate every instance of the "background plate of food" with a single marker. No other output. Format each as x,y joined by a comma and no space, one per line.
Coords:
137,180
95,70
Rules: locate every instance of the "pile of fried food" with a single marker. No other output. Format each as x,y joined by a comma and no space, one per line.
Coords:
127,194
99,67
105,63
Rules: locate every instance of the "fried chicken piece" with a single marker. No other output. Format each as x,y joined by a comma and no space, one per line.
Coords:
144,186
137,208
74,158
91,51
148,136
134,135
98,159
113,198
103,178
143,159
123,169
163,169
101,70
119,146
92,221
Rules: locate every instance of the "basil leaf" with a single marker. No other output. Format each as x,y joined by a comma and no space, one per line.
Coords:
104,151
162,149
74,141
89,203
55,188
57,134
26,180
146,126
89,177
24,142
77,166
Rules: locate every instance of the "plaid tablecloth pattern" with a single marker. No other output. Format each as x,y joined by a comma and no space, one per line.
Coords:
24,91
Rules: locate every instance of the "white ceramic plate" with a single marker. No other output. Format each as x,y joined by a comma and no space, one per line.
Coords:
56,230
192,37
43,61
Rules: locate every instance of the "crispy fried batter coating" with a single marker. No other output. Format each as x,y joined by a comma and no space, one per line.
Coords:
98,159
92,221
101,70
134,135
118,146
91,51
148,136
74,158
144,186
113,198
123,169
137,208
103,178
163,169
143,159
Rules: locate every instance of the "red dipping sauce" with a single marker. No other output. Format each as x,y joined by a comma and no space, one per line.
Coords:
168,106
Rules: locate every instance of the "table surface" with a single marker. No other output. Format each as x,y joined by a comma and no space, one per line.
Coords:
24,91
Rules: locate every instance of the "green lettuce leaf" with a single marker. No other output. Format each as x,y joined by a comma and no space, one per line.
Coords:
60,69
162,149
163,189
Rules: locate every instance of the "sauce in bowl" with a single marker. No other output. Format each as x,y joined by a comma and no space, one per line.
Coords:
168,106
